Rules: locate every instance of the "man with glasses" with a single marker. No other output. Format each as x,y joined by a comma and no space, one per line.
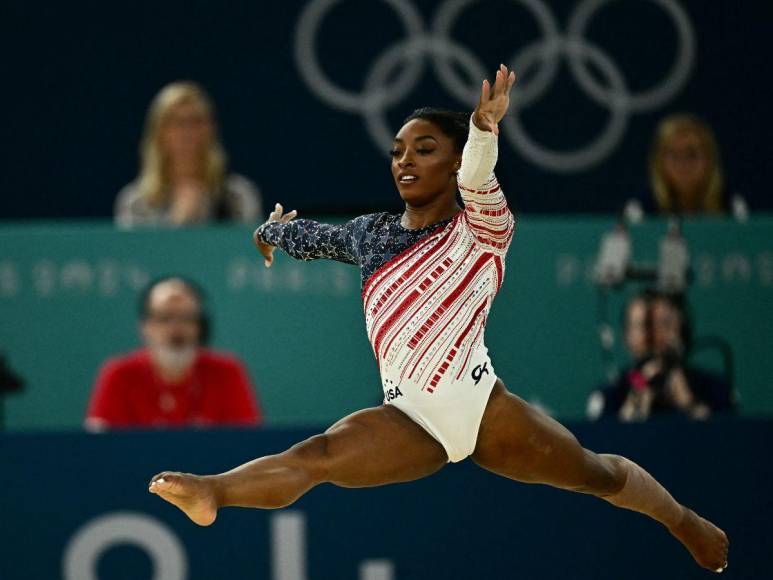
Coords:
173,381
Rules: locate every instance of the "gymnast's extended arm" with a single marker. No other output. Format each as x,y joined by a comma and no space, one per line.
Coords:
305,239
485,207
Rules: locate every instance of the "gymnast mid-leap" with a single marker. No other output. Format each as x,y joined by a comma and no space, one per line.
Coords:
429,276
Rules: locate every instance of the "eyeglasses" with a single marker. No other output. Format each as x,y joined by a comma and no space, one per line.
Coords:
170,318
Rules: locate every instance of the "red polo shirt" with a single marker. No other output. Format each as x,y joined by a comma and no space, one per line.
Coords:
216,392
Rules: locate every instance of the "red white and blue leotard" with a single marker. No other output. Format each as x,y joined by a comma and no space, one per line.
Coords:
426,295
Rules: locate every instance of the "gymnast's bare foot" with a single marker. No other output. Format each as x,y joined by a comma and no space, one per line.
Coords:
705,541
193,494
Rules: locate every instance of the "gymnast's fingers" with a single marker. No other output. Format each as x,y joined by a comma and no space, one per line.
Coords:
276,214
498,84
485,92
510,81
268,256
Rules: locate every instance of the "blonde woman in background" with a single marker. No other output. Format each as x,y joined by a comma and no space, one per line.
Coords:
685,170
183,178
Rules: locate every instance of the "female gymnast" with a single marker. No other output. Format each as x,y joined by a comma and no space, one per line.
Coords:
429,276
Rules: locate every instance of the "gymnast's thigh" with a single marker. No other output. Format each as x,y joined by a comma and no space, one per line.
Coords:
377,446
523,443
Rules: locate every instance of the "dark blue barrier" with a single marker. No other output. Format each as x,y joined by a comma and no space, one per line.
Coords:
462,523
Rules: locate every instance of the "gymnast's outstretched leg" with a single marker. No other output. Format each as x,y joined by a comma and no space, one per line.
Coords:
517,441
371,447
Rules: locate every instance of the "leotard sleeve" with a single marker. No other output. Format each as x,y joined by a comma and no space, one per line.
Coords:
306,240
485,207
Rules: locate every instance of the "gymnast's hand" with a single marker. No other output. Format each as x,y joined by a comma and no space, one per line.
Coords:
275,216
494,101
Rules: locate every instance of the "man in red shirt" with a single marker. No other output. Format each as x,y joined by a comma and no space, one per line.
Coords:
173,381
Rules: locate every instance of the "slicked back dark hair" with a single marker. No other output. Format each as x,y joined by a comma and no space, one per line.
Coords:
453,124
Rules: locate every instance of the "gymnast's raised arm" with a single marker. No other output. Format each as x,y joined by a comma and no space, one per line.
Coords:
305,239
486,210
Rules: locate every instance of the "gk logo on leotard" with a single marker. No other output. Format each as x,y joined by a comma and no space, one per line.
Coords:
397,70
479,371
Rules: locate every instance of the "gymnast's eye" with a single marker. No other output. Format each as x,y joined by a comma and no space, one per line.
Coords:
395,152
424,151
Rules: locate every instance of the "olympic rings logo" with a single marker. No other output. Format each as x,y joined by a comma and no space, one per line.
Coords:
377,95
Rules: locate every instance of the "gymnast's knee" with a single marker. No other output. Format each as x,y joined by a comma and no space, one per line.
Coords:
311,458
300,468
605,474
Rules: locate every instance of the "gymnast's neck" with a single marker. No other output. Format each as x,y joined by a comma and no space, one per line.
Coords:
440,208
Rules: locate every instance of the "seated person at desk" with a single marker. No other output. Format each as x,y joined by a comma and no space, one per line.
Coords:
686,176
173,381
659,381
183,178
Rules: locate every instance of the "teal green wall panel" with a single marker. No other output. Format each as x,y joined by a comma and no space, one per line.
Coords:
68,301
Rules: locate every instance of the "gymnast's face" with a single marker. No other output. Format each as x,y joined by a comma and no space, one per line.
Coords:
424,163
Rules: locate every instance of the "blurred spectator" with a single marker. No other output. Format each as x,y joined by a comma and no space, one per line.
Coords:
10,382
183,177
685,170
173,381
658,336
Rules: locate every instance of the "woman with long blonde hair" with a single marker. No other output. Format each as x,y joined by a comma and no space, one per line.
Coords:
685,168
183,178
